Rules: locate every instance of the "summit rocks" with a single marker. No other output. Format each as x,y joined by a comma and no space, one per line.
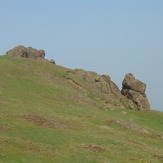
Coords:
29,52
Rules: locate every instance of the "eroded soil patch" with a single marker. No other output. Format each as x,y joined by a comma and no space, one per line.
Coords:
4,127
158,157
44,122
135,142
76,84
93,148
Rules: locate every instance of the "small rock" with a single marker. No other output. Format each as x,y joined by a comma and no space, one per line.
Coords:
106,127
97,80
52,61
123,113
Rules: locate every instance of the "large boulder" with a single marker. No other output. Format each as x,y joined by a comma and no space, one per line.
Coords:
26,52
131,83
134,90
34,53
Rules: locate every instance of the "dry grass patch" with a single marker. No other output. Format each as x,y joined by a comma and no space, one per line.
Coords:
45,122
92,147
4,127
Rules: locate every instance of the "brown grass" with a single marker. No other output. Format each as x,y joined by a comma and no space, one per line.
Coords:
44,122
93,148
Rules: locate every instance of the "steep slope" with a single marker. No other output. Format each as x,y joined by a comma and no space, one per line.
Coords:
52,114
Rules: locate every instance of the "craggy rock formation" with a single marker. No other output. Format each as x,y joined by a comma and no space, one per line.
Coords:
29,52
104,87
131,96
134,90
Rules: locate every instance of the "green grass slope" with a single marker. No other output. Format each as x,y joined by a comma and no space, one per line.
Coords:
45,117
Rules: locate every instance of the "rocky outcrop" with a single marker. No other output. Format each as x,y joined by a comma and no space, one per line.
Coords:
134,90
105,88
131,83
132,95
26,52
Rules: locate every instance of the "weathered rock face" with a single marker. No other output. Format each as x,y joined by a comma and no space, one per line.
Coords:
29,52
131,96
104,87
131,83
134,90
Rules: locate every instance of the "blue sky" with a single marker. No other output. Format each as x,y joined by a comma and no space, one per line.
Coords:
112,37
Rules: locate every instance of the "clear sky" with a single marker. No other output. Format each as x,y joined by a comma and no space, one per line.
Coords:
112,37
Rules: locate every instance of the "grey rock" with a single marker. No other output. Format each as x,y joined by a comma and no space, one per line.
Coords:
104,87
131,83
34,53
19,51
29,52
134,90
52,61
129,124
131,96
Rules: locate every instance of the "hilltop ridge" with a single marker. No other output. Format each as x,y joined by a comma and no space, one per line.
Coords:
49,113
132,95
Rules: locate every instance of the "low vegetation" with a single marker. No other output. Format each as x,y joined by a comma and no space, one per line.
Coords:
46,117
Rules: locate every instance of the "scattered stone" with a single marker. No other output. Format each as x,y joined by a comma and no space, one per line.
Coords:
52,61
106,127
123,113
129,124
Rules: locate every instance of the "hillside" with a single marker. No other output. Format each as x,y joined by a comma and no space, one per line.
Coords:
49,113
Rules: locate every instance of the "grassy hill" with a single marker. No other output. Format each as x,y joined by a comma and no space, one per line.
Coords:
45,116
